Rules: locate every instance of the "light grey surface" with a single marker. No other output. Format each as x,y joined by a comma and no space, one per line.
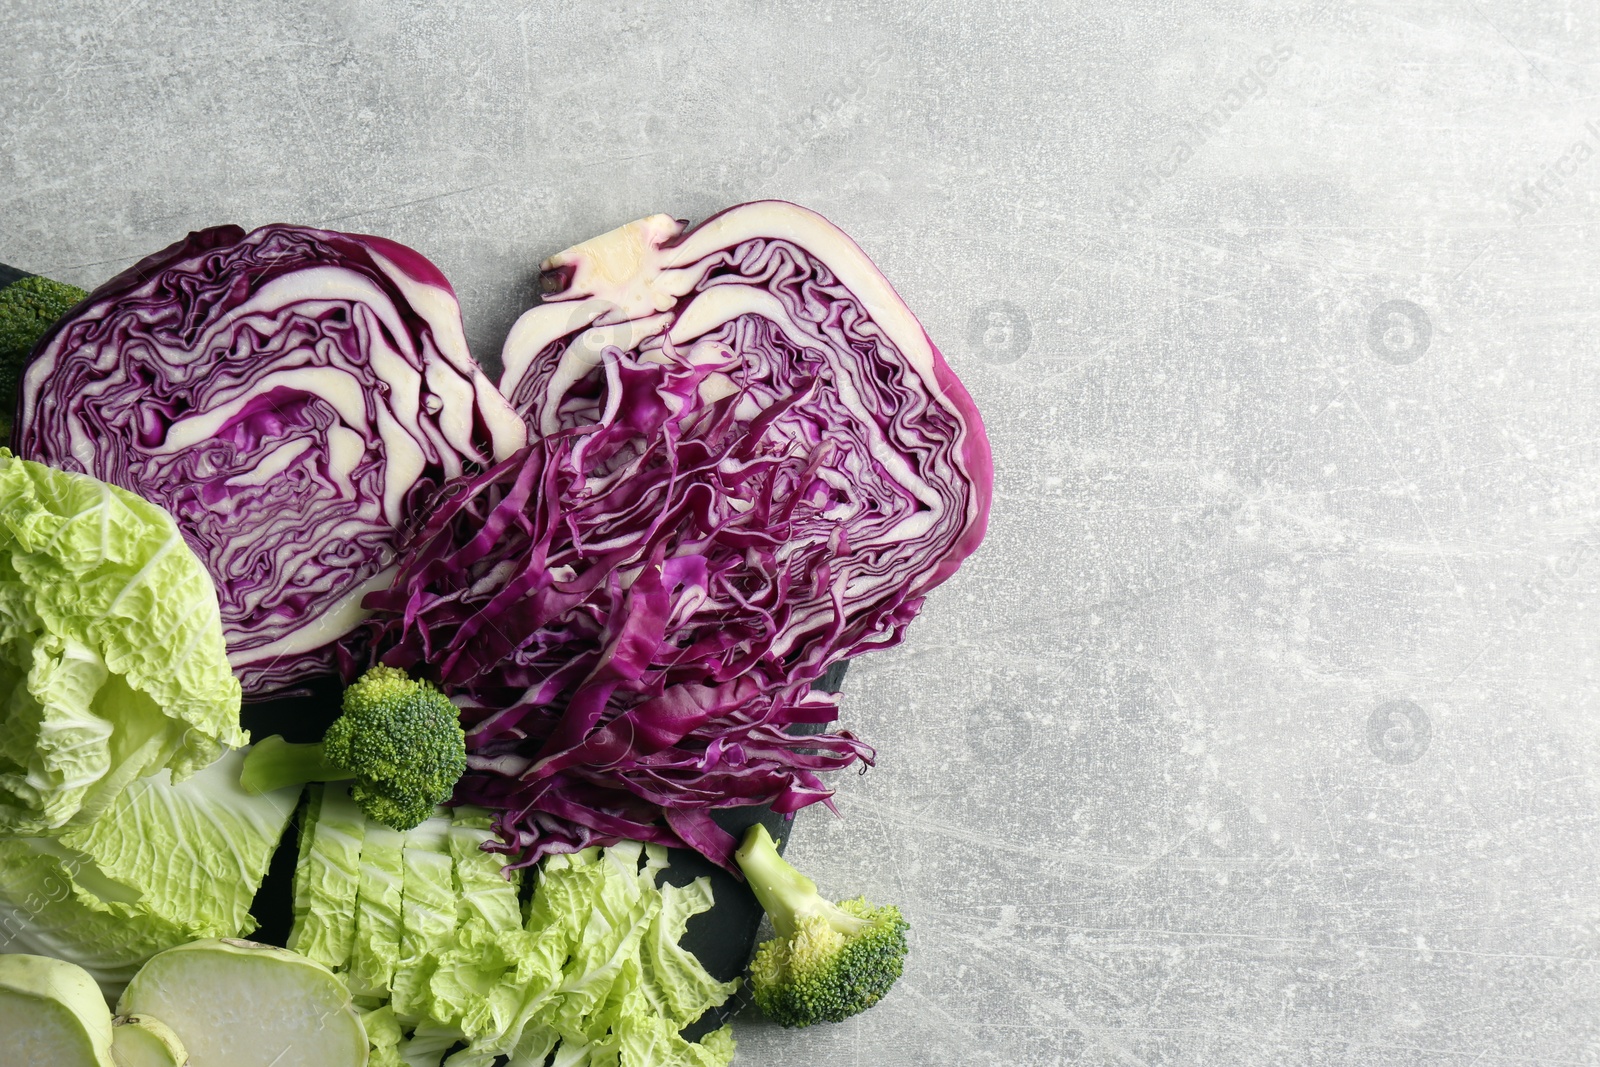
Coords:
1263,728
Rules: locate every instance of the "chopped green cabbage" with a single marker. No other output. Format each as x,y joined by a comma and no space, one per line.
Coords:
487,895
596,972
46,910
379,899
428,917
112,662
326,885
594,968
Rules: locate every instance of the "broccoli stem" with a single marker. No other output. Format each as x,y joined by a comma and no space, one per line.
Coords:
274,763
786,895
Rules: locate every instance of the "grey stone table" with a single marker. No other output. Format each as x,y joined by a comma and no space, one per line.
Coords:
1263,729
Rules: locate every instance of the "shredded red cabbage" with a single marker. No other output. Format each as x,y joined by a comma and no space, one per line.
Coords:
750,463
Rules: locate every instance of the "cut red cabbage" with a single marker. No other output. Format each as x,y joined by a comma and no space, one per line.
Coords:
749,463
294,397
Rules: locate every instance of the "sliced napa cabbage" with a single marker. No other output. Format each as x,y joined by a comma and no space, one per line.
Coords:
328,876
426,1047
429,914
650,1041
384,1036
592,977
46,910
444,954
489,932
609,941
487,895
380,897
674,983
112,661
166,864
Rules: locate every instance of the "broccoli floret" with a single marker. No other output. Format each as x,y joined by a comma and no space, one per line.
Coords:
829,961
401,741
28,307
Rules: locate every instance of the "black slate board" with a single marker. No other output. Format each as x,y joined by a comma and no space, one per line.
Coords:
723,938
11,274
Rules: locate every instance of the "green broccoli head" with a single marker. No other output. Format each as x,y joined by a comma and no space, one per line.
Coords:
28,307
399,742
403,742
829,961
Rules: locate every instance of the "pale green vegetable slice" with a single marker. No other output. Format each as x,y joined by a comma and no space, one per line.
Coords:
51,1012
426,1047
674,982
384,1035
379,902
239,1004
464,971
328,877
487,895
595,974
145,1041
608,944
306,821
597,977
429,913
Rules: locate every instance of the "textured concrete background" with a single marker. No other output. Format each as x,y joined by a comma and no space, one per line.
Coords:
1263,728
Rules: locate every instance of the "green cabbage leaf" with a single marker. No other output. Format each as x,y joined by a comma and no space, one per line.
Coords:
446,956
112,660
165,864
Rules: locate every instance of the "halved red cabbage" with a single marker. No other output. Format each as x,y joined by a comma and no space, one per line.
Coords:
293,397
750,462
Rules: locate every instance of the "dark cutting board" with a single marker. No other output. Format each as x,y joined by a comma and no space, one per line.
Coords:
723,938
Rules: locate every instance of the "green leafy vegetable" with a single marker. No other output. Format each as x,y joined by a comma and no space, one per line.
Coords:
596,971
428,916
384,1036
195,852
444,955
488,895
328,877
379,900
112,663
46,909
166,864
488,925
399,740
829,961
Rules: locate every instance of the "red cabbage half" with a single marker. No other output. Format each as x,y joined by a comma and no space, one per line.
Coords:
293,397
749,463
